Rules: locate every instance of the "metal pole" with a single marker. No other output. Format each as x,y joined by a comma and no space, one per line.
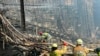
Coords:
3,44
22,15
36,22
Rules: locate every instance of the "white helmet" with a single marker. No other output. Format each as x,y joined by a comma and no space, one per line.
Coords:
54,45
79,41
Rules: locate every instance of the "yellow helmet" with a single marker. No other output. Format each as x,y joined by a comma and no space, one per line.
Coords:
79,41
54,45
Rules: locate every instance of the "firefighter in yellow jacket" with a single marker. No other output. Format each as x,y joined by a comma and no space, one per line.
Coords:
56,52
79,50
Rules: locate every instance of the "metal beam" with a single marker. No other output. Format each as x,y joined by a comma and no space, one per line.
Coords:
22,15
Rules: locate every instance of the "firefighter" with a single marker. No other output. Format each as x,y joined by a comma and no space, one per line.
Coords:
80,50
97,50
58,52
45,36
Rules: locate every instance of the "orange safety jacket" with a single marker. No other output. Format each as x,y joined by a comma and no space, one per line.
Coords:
80,48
